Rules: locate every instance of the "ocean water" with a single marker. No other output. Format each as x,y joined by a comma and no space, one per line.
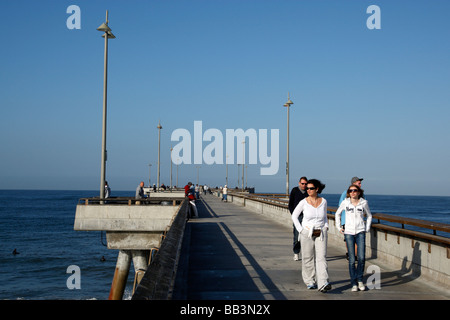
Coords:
39,225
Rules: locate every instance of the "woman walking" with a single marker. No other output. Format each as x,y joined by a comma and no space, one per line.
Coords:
356,210
313,235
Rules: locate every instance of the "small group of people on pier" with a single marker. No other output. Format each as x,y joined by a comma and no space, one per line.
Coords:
309,216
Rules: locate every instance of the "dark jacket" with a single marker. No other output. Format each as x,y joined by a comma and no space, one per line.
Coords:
294,198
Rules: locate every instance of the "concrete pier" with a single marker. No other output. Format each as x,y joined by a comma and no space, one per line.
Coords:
133,227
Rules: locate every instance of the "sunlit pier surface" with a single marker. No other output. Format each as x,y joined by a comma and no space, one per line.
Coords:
231,252
242,250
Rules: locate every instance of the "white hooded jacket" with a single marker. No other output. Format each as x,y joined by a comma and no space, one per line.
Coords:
354,216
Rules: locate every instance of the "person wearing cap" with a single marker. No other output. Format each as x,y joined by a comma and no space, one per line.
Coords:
297,195
224,193
357,182
359,219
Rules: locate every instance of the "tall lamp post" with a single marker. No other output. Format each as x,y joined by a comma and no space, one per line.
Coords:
287,105
226,161
198,182
149,175
159,149
243,163
107,35
171,149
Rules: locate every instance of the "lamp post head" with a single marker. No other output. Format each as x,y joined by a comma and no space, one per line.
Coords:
289,102
104,28
110,35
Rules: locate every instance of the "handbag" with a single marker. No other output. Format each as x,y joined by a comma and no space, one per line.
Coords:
316,232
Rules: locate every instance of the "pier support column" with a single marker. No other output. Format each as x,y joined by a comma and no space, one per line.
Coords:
120,275
140,262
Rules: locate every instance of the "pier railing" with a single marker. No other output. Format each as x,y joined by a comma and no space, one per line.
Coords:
158,280
130,201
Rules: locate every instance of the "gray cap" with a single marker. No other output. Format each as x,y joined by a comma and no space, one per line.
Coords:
354,179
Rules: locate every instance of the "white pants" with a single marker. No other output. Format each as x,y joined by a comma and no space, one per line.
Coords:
314,258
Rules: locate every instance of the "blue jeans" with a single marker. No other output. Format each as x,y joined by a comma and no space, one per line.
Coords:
356,273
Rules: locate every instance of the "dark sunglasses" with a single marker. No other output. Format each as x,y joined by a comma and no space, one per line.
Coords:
353,190
310,188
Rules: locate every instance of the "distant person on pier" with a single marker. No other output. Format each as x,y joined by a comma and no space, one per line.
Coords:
140,191
225,193
107,190
297,194
357,182
197,192
357,209
189,193
313,236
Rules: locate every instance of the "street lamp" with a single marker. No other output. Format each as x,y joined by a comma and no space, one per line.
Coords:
107,35
149,175
178,161
226,161
198,182
243,163
171,149
159,149
287,105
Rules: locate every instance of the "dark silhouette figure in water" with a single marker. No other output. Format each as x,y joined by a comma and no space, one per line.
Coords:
15,252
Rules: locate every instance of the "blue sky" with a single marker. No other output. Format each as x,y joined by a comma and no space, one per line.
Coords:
368,103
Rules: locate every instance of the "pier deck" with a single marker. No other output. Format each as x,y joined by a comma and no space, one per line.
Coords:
230,252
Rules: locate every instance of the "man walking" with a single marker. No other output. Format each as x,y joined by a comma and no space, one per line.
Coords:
297,195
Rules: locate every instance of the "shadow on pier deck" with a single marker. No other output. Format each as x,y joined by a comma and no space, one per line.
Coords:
232,253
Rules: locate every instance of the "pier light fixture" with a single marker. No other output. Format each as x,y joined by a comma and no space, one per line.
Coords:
107,35
287,105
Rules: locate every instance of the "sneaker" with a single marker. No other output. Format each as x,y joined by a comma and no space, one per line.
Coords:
361,286
325,287
355,288
311,286
296,257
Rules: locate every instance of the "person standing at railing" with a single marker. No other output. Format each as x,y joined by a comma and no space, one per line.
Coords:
189,192
140,191
356,209
107,190
297,195
313,236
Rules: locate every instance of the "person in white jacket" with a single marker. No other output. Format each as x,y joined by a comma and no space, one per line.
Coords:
358,220
313,235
